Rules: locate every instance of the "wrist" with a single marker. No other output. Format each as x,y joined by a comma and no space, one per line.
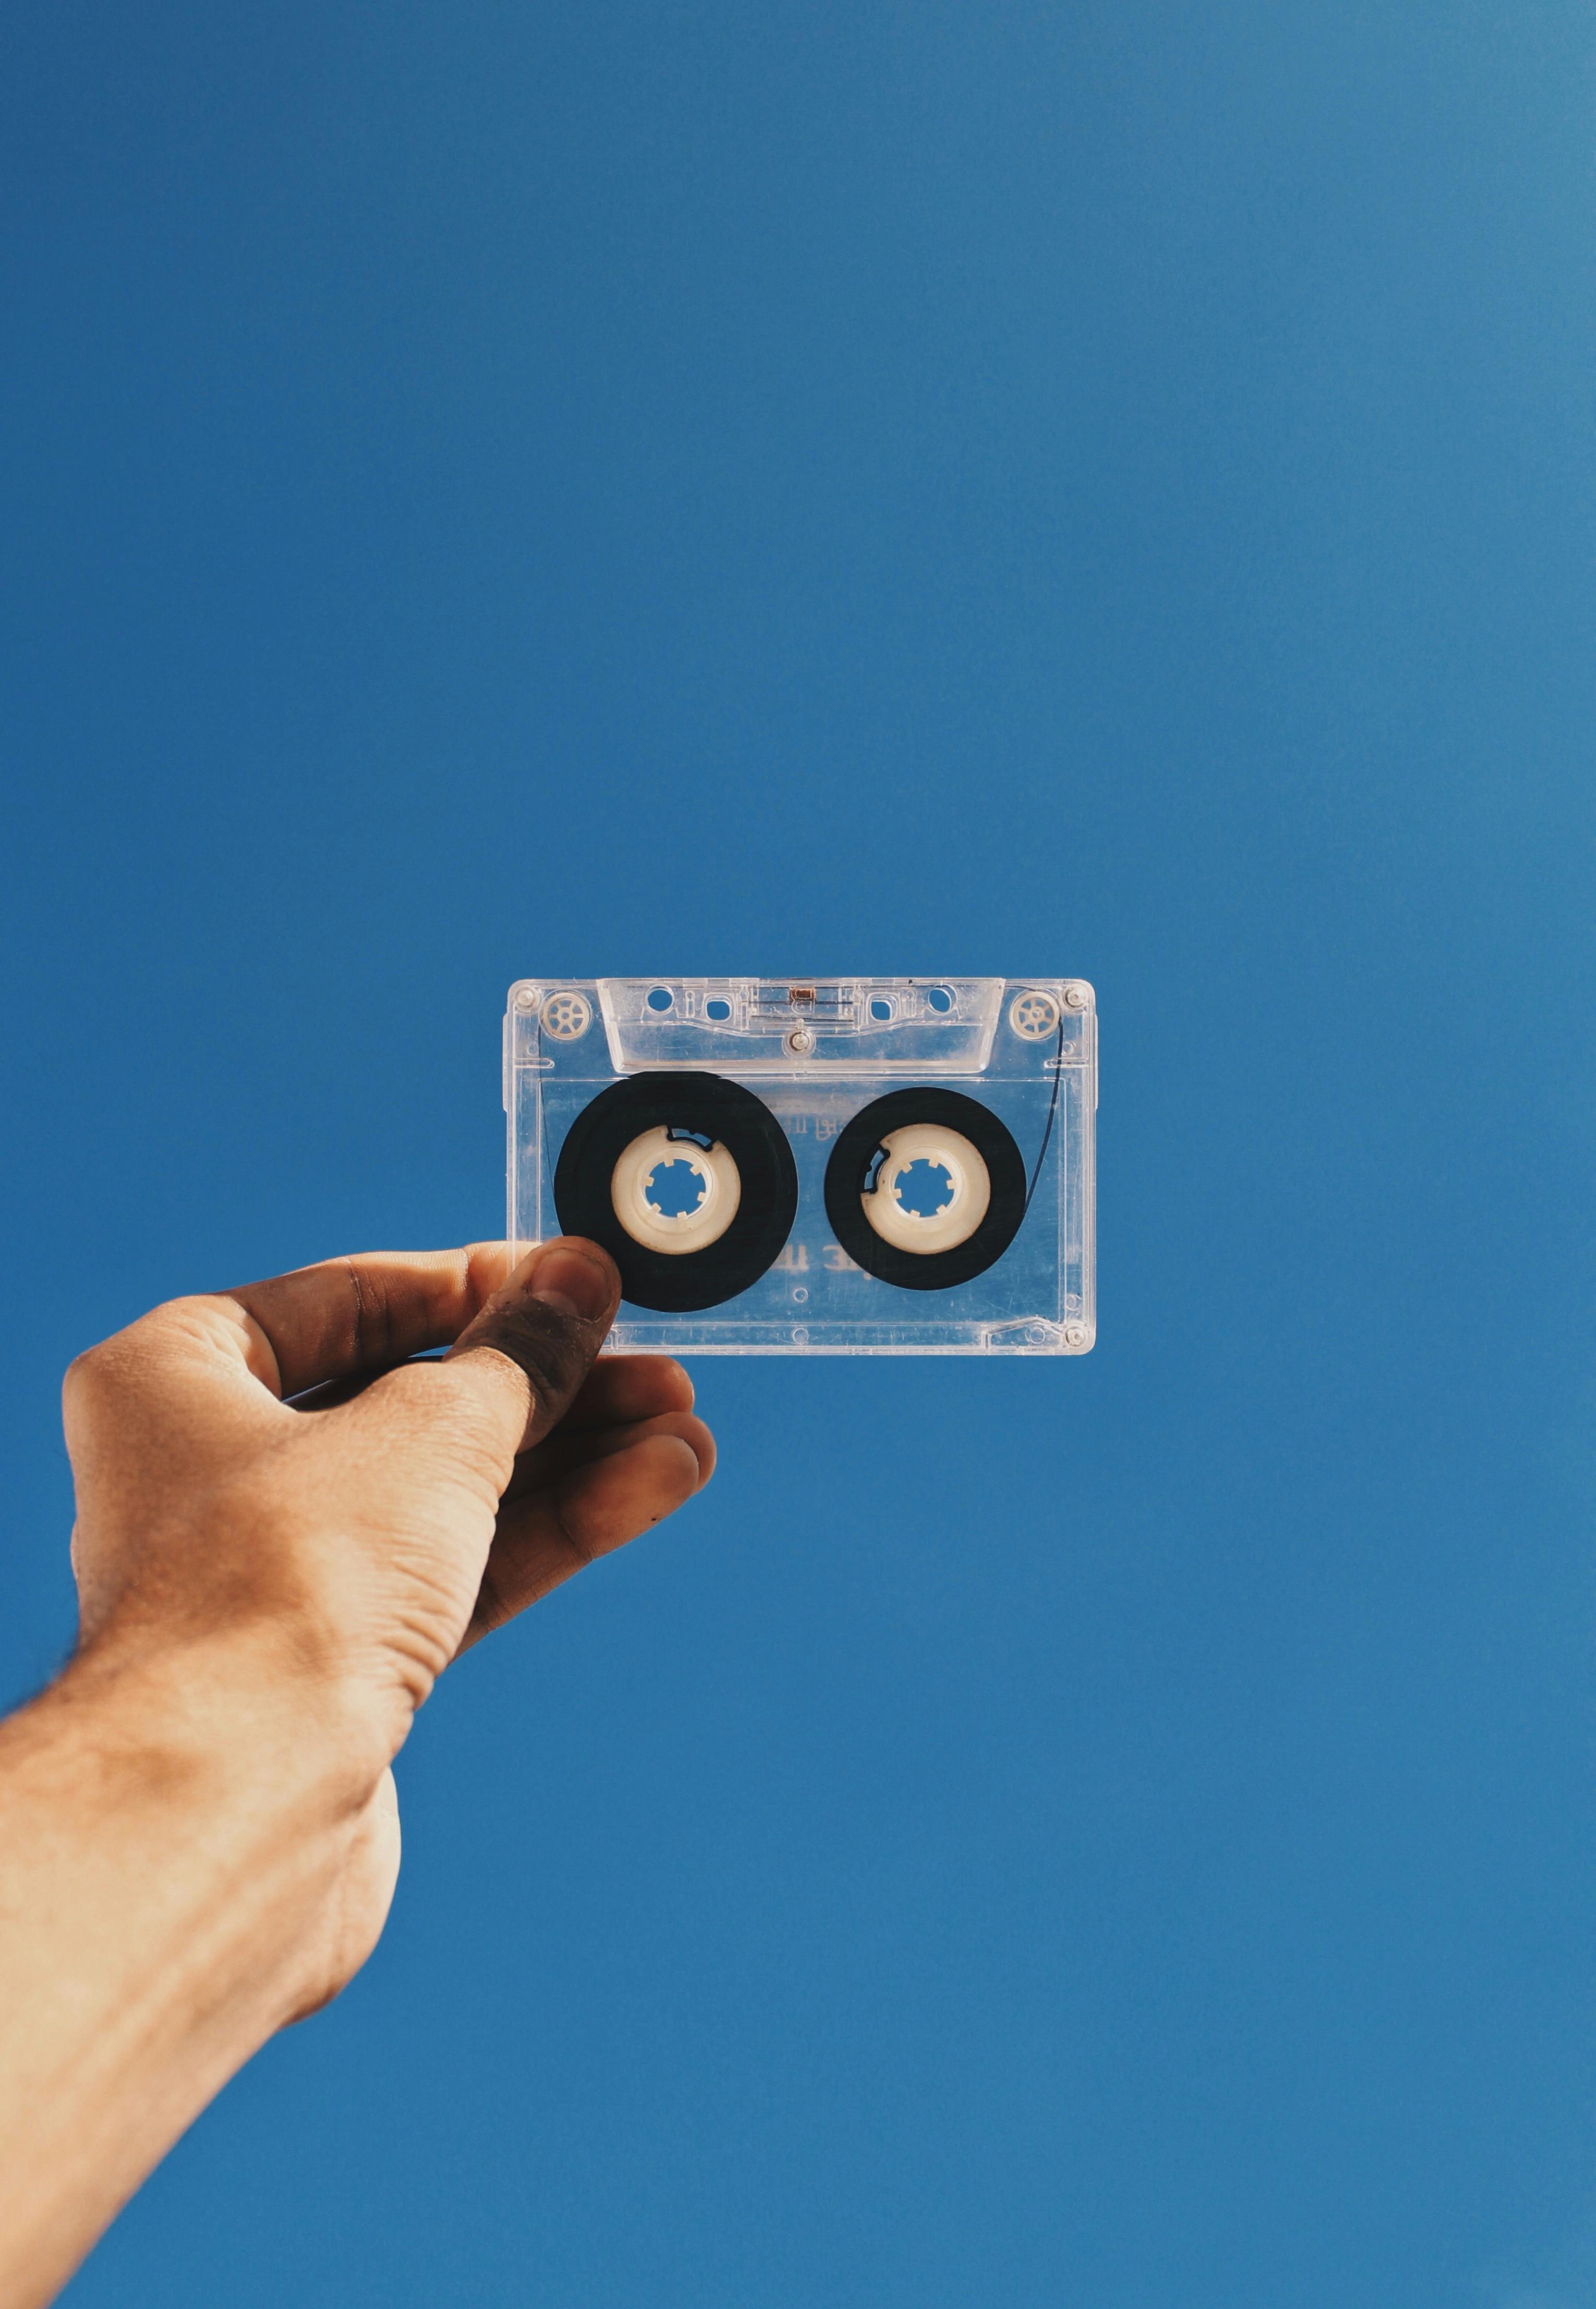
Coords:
260,1778
235,1713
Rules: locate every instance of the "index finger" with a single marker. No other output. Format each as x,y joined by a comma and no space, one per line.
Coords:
346,1316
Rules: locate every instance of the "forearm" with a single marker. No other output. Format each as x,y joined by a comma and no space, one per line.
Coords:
173,1833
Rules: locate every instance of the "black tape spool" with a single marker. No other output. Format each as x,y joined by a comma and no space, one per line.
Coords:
692,1106
849,1167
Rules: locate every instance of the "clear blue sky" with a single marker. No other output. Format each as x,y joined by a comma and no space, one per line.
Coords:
494,488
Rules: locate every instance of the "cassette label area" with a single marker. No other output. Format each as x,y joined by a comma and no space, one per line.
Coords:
812,1166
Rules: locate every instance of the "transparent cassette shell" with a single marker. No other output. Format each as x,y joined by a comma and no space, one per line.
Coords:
817,1052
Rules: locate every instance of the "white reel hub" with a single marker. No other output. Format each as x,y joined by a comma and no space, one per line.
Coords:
631,1192
969,1189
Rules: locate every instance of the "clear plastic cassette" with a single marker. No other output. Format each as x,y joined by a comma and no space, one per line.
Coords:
815,1166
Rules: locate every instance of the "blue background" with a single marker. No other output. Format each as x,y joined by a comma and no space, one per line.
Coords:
601,486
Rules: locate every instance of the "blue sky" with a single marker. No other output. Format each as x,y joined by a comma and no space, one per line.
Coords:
501,489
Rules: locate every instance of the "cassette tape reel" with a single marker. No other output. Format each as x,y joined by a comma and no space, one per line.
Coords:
845,1165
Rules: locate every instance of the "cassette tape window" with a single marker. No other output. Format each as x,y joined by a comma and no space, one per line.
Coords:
815,1166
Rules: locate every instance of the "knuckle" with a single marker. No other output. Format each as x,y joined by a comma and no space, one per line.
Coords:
117,1370
553,1349
96,1377
82,1371
578,1549
436,1424
79,1388
371,1314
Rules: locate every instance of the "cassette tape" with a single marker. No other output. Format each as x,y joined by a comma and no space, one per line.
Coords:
815,1166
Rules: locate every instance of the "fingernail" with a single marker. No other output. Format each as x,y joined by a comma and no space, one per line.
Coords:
574,1285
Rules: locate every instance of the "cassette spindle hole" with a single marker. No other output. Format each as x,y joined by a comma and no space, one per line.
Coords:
676,1187
674,1191
926,1189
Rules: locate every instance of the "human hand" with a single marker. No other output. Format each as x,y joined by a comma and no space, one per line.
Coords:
344,1554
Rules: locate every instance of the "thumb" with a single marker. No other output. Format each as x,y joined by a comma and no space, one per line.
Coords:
537,1336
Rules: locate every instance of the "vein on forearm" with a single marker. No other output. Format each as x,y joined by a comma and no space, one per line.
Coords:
150,1883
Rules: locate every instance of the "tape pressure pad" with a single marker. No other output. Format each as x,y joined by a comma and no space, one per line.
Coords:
824,1167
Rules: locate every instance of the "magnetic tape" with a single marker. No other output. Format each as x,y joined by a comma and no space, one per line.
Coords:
815,1166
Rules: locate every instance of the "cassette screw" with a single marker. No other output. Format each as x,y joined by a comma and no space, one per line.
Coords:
1075,998
800,1040
525,999
1075,1335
